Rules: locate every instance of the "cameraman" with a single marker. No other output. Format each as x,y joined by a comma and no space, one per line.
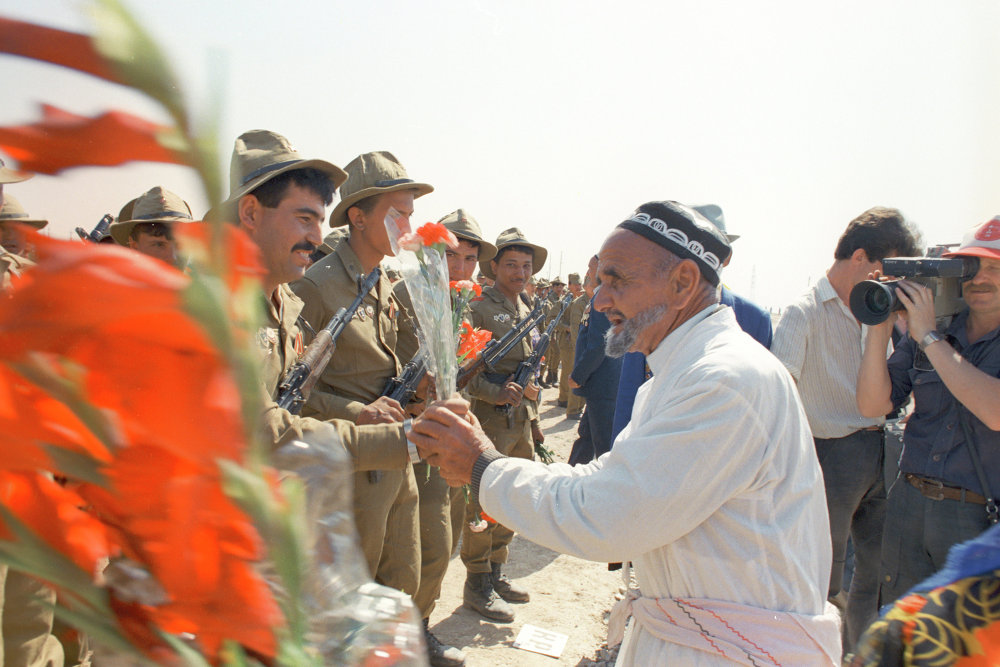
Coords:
940,499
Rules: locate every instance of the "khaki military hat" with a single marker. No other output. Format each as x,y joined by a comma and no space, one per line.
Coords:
259,156
574,279
155,205
373,174
713,212
542,282
515,236
557,281
12,211
464,226
8,175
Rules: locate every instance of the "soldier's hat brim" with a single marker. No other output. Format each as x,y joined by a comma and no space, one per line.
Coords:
515,236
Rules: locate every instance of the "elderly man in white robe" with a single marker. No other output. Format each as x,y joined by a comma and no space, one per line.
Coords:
713,491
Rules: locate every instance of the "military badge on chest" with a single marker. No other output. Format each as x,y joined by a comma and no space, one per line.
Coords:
501,318
267,338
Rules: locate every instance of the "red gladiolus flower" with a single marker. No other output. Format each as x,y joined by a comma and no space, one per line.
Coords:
113,321
54,513
460,285
434,232
472,341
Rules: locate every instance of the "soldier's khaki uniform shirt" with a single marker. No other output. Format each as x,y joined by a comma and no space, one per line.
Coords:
385,502
365,358
493,312
11,265
374,446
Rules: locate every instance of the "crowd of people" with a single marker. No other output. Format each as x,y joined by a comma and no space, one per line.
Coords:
738,469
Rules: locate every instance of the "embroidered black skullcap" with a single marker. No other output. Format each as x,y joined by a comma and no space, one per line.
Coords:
684,232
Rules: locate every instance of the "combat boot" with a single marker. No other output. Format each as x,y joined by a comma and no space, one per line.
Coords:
480,596
504,587
441,655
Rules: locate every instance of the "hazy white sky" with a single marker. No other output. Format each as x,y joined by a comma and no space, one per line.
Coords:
561,117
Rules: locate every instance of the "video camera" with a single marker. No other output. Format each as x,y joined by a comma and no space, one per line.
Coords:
873,300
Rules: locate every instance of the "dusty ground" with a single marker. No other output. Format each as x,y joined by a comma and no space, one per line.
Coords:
568,595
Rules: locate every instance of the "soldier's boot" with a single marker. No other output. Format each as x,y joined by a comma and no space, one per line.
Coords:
441,655
480,596
504,587
552,379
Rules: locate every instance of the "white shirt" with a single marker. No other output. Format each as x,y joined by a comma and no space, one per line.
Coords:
713,490
820,343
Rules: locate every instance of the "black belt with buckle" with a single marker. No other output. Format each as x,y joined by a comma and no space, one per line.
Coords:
935,490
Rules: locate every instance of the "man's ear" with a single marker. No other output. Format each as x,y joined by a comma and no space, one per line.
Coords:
859,256
356,217
686,279
248,211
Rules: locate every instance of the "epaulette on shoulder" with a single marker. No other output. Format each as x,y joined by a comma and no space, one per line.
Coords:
475,299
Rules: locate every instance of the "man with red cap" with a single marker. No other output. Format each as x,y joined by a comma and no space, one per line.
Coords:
950,467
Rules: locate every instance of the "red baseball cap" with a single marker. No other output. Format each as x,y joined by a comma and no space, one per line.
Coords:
980,241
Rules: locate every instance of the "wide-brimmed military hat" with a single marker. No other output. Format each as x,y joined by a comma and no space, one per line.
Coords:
155,205
574,279
8,175
515,236
464,226
713,212
373,174
12,211
557,281
259,156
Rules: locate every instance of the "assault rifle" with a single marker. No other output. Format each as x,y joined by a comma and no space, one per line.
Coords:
303,375
99,233
530,366
496,350
402,387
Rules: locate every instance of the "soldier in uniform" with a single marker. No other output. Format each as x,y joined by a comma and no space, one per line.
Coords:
147,224
571,319
26,605
554,353
11,238
279,199
442,509
385,501
487,589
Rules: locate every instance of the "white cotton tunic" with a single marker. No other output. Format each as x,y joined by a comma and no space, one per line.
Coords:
712,491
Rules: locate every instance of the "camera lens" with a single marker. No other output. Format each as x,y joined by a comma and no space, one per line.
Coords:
871,301
878,300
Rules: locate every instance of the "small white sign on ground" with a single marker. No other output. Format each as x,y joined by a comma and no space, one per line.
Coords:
538,640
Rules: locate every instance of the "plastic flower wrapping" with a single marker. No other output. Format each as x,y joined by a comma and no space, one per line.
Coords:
134,480
425,270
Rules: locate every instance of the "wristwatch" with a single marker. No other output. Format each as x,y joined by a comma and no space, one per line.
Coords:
931,337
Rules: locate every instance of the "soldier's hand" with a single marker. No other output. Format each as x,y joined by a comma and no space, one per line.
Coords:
383,410
573,384
510,394
537,436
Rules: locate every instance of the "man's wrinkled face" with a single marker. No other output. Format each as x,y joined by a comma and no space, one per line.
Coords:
512,271
12,239
288,233
633,291
463,260
982,292
575,290
163,248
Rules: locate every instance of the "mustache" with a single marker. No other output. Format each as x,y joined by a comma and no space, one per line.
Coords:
305,245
